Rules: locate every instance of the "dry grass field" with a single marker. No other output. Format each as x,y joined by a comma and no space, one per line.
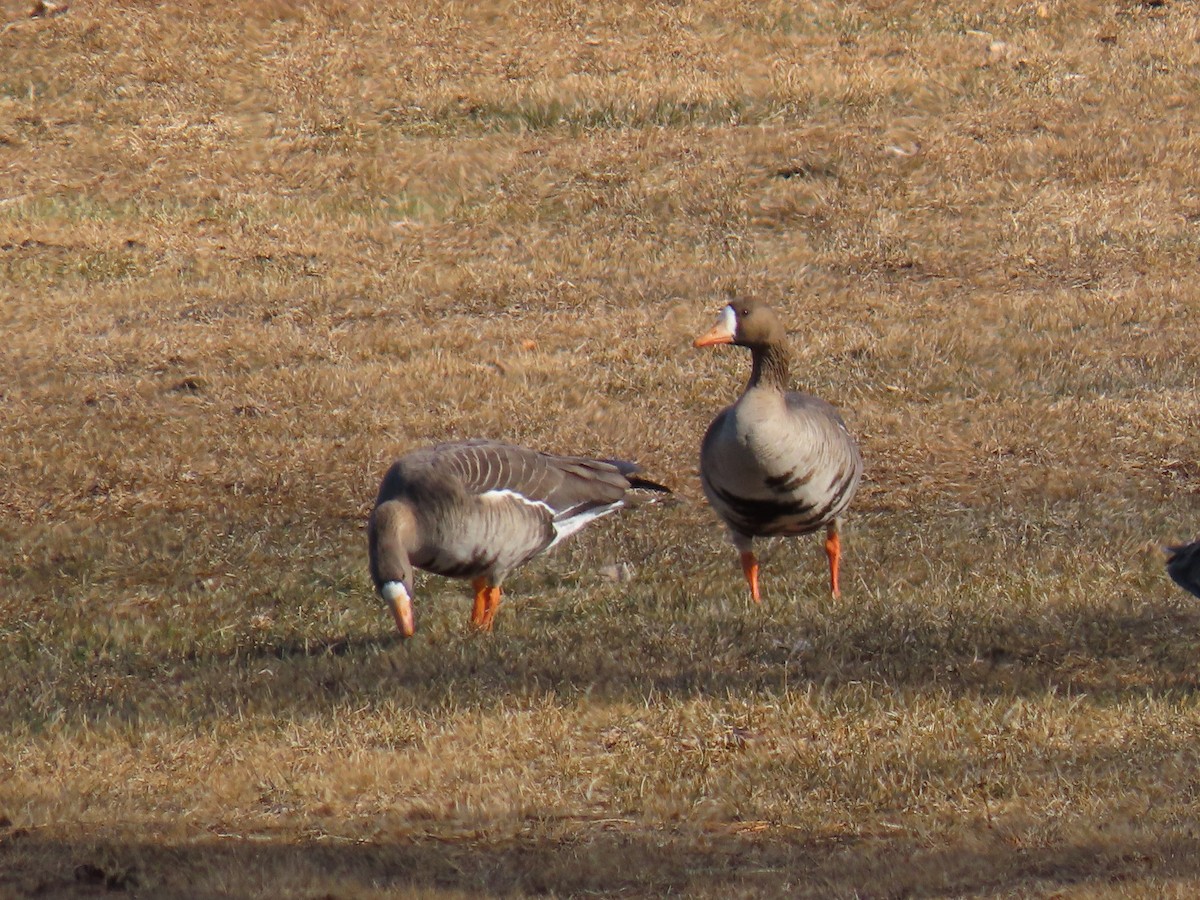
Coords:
249,253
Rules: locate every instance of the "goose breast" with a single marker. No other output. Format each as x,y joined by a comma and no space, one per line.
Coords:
779,464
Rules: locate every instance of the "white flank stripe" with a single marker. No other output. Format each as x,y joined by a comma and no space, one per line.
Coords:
506,494
564,528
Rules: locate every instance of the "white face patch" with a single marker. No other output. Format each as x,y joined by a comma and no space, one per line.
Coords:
729,320
393,591
396,594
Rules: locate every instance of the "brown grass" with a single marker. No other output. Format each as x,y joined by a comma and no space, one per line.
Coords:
250,253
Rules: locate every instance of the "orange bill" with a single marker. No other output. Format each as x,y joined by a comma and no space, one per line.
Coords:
721,333
403,613
400,603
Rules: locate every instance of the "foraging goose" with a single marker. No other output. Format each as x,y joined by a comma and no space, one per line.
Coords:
478,509
1183,565
776,462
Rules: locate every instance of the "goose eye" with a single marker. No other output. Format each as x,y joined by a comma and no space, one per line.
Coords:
745,311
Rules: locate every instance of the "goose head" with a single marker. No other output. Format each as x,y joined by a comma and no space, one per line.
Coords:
746,322
391,532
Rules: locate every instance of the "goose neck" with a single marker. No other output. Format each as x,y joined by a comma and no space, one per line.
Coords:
770,367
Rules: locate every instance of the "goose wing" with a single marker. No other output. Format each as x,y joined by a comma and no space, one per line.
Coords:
569,491
560,483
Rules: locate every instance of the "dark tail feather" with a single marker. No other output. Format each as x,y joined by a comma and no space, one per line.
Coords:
645,484
630,470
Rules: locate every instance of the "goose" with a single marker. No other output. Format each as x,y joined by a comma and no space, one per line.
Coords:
1183,565
478,509
776,462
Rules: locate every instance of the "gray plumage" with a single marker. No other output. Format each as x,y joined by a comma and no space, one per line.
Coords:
479,509
776,462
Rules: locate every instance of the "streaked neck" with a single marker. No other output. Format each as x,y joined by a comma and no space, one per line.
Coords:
770,367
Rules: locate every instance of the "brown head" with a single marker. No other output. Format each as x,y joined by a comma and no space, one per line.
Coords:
391,534
746,322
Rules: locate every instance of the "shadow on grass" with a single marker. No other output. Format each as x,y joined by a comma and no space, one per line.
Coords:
595,651
591,858
305,646
1099,650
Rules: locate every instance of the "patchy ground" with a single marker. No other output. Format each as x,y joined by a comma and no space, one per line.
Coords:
250,254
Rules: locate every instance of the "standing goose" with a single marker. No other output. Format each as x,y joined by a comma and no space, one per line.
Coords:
478,509
776,462
1183,565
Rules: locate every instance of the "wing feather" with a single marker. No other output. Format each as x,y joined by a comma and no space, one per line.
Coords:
561,482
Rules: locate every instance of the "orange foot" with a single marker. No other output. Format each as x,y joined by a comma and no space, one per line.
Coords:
480,605
833,549
493,604
750,570
487,601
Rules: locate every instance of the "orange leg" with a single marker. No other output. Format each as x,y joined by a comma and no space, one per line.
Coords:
833,549
493,604
750,569
480,606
